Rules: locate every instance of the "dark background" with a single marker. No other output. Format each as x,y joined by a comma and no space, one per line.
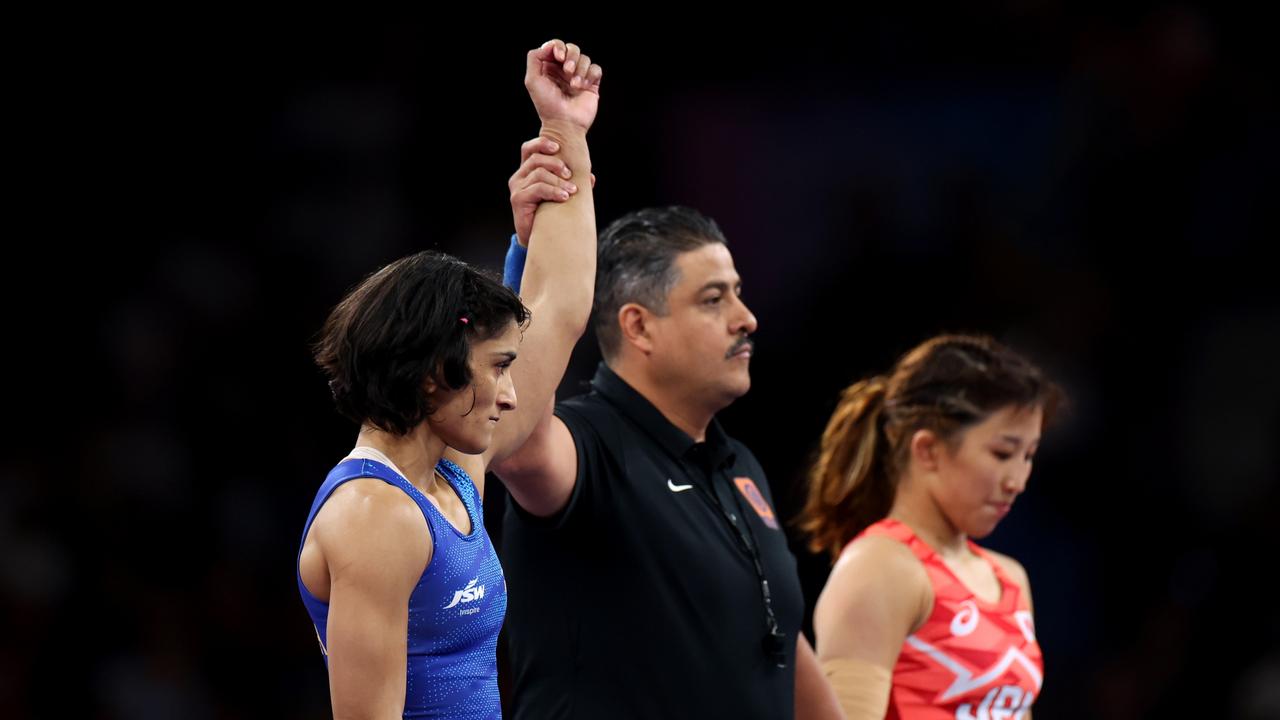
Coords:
1091,187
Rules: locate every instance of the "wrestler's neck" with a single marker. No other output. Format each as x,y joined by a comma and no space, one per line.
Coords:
415,454
915,508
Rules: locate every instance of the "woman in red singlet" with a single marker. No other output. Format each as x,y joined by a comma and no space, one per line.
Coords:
917,621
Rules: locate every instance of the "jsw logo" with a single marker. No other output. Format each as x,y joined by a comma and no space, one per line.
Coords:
467,594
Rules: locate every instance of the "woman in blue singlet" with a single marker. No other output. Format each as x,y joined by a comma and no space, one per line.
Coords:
396,570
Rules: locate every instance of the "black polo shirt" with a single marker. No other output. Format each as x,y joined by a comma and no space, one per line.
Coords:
637,600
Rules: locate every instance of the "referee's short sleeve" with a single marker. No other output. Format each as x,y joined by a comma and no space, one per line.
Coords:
589,447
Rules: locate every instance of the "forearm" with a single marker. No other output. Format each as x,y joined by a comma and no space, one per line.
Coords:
559,271
815,699
557,286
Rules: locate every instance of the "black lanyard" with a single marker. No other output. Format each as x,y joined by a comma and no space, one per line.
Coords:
774,641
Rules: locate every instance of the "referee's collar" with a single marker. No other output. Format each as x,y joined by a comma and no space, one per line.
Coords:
714,453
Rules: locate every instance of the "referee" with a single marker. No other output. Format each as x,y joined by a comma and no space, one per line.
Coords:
648,575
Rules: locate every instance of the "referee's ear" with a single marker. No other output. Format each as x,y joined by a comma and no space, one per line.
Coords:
636,323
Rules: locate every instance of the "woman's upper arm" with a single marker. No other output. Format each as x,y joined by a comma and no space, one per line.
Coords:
377,545
876,595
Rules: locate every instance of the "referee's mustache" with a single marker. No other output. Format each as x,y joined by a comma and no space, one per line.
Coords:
742,341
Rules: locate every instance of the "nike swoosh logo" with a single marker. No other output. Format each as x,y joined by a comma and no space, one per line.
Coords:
677,488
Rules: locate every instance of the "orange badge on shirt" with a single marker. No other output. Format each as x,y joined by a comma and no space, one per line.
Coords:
752,493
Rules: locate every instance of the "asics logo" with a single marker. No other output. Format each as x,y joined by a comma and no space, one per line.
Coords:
966,620
467,594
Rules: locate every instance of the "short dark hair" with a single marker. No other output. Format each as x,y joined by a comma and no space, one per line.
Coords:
413,319
636,263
